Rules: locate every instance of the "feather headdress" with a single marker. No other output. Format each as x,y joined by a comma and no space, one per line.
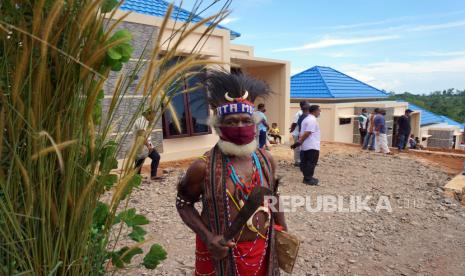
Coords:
233,93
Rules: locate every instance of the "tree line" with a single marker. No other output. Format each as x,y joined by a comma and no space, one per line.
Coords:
450,102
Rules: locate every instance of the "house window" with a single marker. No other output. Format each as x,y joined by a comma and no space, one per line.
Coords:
189,109
344,121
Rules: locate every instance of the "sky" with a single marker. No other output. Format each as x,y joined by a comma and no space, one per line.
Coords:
395,45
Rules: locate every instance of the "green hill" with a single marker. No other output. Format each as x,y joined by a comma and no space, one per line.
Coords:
450,103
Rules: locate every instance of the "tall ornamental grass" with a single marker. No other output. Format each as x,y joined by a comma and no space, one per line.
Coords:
57,155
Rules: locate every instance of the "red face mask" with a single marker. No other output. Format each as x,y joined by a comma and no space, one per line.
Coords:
238,135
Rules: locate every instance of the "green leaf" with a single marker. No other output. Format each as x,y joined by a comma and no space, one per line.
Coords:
126,50
124,36
108,157
138,220
125,58
125,215
121,52
108,181
97,111
108,5
131,218
137,234
131,253
116,257
134,182
124,256
101,213
154,257
117,67
114,53
108,150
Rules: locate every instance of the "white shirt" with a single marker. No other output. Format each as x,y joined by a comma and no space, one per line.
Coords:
141,124
296,119
310,124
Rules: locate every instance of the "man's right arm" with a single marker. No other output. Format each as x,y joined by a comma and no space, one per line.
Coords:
304,136
189,191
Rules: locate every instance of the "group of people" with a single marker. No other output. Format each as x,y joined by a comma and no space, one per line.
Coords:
373,131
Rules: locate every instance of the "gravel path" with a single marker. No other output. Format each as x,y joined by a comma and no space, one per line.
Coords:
423,235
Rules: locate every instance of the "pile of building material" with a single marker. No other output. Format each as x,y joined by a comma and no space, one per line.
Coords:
441,138
456,188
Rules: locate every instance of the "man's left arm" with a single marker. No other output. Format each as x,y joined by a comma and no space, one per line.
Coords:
279,217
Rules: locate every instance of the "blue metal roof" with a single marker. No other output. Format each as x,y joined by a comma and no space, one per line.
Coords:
428,117
325,82
159,7
451,122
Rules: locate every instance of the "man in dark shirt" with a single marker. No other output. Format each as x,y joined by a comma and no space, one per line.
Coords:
404,129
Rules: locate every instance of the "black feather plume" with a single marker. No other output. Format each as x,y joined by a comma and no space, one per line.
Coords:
219,82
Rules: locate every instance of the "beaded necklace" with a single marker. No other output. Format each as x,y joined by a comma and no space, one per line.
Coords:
246,187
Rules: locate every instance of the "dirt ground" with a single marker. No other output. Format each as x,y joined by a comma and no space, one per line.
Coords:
423,235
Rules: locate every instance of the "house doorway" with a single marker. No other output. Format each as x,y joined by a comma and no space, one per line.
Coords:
395,134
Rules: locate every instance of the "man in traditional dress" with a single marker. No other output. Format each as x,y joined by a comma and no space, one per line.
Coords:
224,177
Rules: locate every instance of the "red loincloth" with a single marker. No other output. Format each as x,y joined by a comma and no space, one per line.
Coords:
247,265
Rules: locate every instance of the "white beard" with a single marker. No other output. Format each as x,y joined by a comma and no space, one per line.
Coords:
232,149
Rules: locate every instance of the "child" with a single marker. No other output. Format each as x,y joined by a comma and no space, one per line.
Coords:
274,132
412,142
418,144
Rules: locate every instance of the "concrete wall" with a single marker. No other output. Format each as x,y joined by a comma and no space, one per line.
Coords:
143,37
344,132
415,119
194,146
277,105
241,50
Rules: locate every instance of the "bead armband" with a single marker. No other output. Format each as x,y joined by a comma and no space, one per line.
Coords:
181,202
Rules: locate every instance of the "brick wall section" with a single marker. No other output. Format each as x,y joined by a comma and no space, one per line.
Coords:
440,138
389,123
143,37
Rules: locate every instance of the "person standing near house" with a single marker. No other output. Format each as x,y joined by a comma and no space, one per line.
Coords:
262,126
295,131
370,139
404,129
380,132
309,142
362,125
145,150
224,178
